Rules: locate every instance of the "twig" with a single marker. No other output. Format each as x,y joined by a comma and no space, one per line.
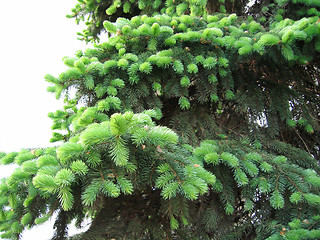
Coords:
303,142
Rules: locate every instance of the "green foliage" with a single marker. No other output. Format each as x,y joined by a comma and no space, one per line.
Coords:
8,158
26,219
184,103
45,182
79,168
22,157
134,152
69,150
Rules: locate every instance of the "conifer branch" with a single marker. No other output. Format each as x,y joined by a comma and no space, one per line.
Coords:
176,175
185,108
101,174
296,131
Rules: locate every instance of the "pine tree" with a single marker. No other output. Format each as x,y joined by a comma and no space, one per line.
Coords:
194,120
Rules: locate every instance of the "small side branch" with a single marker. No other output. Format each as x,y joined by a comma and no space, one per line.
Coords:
303,142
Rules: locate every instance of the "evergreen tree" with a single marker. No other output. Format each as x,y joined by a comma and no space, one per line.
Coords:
195,120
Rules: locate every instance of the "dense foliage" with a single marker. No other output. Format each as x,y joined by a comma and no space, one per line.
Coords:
194,120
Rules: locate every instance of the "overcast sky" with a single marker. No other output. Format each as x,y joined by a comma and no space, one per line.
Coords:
35,36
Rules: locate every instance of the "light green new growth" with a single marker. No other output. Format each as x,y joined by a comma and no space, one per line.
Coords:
193,120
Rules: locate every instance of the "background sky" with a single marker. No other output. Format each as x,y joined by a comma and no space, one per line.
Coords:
35,36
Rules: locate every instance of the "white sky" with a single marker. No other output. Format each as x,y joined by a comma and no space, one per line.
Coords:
35,36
